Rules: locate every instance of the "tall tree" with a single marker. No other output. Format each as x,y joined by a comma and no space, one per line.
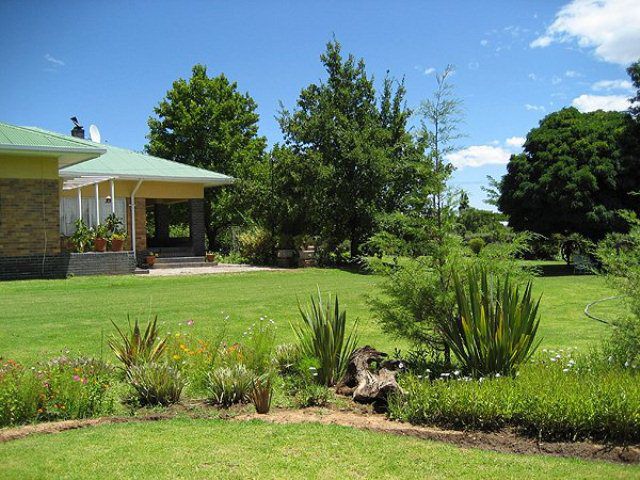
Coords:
576,172
206,122
634,73
339,124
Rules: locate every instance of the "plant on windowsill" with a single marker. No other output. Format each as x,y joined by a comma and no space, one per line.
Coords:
117,241
81,237
100,238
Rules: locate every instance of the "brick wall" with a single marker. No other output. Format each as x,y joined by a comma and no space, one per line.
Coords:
66,264
141,225
29,217
196,226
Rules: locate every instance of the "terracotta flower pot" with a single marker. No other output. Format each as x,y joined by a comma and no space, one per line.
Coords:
100,245
117,244
211,257
150,260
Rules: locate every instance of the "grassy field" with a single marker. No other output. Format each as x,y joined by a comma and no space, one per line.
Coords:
181,449
41,318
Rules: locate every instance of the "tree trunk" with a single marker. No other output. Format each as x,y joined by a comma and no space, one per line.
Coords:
370,378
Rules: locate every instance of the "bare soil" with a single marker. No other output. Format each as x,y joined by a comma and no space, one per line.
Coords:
503,441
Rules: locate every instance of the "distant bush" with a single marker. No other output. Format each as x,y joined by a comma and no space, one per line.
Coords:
302,386
476,244
256,245
552,401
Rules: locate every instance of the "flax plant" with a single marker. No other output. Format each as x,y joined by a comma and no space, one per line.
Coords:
137,347
496,326
323,336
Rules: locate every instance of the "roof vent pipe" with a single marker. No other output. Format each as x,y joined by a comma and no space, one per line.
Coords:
78,130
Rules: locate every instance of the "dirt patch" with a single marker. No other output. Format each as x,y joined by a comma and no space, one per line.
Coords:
504,441
9,434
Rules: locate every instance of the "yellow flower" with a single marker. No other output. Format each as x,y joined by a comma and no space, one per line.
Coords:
176,357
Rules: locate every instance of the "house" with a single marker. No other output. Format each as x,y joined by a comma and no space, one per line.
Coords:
49,180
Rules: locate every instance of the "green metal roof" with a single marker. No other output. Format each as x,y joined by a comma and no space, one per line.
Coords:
127,164
25,140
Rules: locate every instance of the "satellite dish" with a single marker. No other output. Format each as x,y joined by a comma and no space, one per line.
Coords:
94,133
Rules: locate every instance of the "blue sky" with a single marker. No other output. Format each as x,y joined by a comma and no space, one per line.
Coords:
109,63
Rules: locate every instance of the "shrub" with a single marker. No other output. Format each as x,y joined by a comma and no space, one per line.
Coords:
286,357
496,326
58,390
322,336
258,346
136,347
554,401
156,383
229,385
476,244
256,245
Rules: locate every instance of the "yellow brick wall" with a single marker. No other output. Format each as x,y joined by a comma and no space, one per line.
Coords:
29,217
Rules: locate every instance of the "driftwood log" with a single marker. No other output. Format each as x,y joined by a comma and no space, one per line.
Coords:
370,378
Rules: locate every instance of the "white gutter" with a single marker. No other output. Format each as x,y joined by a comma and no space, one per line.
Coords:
133,217
40,149
226,180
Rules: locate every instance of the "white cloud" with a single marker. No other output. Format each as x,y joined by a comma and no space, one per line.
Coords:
535,108
590,103
572,74
533,76
479,156
429,71
555,80
50,58
515,142
610,27
608,85
484,42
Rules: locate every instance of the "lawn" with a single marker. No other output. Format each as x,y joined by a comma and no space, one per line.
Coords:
182,448
40,318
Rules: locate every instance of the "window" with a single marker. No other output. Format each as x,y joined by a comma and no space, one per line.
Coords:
69,212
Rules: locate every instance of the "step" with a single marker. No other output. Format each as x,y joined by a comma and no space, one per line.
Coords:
141,271
180,265
163,259
171,252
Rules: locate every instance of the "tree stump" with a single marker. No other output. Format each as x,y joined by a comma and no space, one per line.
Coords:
370,378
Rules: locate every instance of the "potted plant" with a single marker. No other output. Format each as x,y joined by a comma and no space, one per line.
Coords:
114,224
117,241
100,238
81,237
150,259
211,258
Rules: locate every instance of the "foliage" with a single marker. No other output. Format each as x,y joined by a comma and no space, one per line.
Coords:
156,383
228,385
302,384
64,388
476,244
256,245
323,336
286,357
476,223
206,122
114,225
620,257
634,74
99,231
81,237
136,347
496,325
553,400
258,346
576,171
356,148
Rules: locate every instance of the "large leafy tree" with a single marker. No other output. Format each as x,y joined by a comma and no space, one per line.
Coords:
206,122
358,143
576,172
634,73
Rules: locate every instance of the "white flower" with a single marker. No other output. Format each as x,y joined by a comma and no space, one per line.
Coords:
445,374
565,370
626,364
481,379
497,375
456,373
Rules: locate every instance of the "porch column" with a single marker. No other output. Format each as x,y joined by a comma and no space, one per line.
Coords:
196,226
161,211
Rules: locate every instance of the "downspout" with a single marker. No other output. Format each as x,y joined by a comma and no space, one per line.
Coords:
133,217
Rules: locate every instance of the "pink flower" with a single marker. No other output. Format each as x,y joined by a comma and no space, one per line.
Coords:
76,378
189,322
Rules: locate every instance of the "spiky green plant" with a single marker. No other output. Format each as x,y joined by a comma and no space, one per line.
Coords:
323,336
137,347
156,383
496,326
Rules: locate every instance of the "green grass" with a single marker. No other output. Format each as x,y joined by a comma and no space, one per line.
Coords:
40,318
181,449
